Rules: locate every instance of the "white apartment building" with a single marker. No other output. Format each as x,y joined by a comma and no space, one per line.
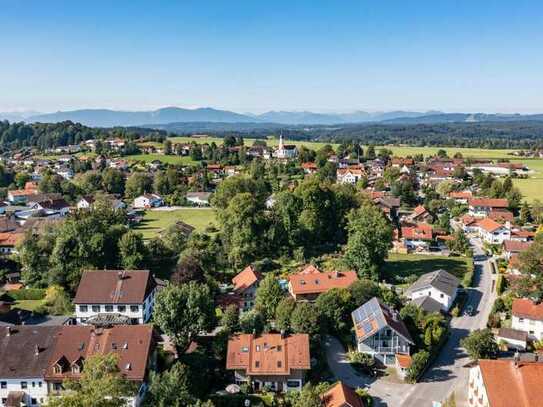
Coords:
115,296
528,317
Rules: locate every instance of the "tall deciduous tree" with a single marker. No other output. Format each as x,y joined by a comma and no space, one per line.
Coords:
268,296
132,250
101,385
480,344
182,311
369,239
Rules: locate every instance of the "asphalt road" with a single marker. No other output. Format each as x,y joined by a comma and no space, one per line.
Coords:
449,372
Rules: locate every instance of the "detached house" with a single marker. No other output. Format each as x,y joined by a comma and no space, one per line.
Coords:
75,344
380,332
528,317
106,297
493,232
419,214
245,285
271,360
349,175
418,236
481,207
341,395
148,201
436,287
310,282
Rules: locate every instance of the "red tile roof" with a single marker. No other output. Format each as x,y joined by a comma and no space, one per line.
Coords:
516,246
489,202
269,354
488,225
525,308
132,343
404,361
460,195
509,385
10,239
422,231
501,215
114,287
246,278
341,395
313,281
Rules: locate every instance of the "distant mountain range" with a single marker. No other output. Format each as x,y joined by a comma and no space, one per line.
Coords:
161,117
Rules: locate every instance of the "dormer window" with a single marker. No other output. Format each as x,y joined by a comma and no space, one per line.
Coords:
57,369
257,363
279,364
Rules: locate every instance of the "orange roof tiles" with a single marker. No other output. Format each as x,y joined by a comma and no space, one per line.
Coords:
341,396
312,281
246,278
489,202
10,238
488,224
269,354
510,385
525,308
404,361
460,195
421,231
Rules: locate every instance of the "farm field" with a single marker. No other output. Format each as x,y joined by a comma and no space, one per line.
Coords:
154,221
397,150
531,188
400,266
166,159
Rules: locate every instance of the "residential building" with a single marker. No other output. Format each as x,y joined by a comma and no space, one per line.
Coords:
349,175
50,207
514,247
9,241
309,168
461,197
115,296
438,285
148,201
419,214
417,237
271,361
380,332
341,395
25,352
308,284
528,317
493,232
514,338
505,383
481,207
245,285
75,344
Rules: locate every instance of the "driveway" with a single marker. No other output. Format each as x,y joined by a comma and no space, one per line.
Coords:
449,371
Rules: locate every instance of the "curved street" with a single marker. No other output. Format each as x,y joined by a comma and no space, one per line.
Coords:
449,370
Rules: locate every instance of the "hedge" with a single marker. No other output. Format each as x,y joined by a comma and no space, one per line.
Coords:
27,294
500,284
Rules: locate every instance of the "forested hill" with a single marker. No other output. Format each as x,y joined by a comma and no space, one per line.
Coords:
49,135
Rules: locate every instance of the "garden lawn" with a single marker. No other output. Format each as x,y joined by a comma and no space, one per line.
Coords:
156,221
400,266
531,188
166,159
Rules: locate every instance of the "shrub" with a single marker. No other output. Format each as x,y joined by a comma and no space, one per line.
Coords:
500,284
418,365
27,294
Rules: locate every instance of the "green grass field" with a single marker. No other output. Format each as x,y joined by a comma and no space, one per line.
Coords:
156,221
166,159
28,305
400,266
531,188
397,150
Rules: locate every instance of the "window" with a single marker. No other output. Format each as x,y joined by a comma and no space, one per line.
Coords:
24,385
57,386
83,308
33,401
33,384
134,308
258,348
39,384
521,320
95,308
3,385
121,308
279,348
279,364
441,295
257,363
109,308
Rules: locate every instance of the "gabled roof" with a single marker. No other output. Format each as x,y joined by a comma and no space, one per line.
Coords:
246,278
18,350
438,279
404,361
421,231
516,246
114,287
489,225
489,202
508,384
373,316
341,395
313,281
269,354
419,211
525,308
427,304
132,343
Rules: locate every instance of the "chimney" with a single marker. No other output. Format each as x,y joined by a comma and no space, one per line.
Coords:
37,350
8,331
516,358
536,357
120,274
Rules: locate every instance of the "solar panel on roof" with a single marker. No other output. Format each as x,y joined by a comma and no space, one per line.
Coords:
367,327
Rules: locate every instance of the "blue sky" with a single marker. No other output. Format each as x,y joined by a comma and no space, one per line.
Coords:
261,55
